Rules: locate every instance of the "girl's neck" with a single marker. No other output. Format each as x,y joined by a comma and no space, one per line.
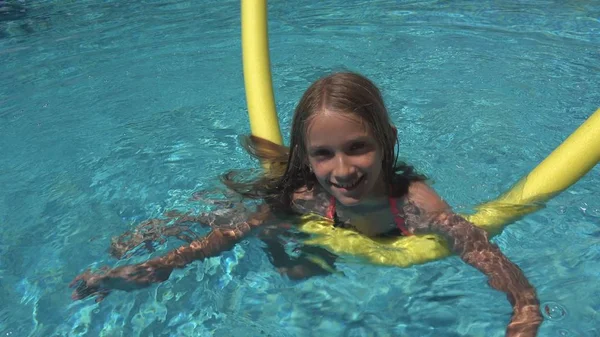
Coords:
366,207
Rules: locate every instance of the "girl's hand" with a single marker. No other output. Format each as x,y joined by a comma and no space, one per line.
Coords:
525,321
122,278
87,284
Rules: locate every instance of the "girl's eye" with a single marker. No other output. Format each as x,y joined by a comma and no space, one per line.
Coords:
357,147
321,153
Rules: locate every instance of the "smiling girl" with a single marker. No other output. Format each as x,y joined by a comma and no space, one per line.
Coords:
341,164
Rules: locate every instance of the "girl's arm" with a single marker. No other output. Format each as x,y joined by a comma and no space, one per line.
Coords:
309,261
426,211
159,269
143,237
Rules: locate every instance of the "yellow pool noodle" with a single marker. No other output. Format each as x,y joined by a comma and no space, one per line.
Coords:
570,161
257,72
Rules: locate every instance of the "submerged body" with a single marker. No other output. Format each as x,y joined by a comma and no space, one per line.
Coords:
341,164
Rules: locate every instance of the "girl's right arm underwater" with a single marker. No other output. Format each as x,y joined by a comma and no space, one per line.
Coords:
311,261
159,269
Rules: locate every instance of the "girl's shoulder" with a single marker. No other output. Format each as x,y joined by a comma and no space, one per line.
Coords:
315,201
421,205
425,197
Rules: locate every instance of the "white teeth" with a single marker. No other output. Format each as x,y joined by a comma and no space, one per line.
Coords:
347,186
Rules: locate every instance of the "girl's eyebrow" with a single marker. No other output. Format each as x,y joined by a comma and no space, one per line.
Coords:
362,138
316,148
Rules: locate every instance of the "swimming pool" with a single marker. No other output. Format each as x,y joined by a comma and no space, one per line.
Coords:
111,113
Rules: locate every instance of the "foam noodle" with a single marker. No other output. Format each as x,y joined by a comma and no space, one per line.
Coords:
577,155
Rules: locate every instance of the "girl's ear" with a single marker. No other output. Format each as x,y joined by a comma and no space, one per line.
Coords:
395,131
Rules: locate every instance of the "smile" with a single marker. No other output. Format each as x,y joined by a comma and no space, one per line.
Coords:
349,186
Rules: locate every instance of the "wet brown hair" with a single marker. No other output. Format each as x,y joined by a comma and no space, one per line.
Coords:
341,92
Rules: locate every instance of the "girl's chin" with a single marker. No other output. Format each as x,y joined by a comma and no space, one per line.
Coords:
348,201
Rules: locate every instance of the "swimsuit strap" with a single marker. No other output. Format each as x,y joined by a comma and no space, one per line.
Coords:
397,218
331,208
395,211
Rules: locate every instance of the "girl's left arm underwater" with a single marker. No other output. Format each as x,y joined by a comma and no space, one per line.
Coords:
425,211
159,269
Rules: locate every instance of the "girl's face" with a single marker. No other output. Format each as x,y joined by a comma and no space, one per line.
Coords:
345,157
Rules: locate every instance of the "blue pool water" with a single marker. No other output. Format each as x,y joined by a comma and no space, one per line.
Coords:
113,112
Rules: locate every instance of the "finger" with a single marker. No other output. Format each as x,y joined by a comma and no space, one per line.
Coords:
101,296
77,295
82,291
75,281
78,278
229,234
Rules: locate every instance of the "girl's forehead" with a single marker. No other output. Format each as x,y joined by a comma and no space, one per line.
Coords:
328,118
332,126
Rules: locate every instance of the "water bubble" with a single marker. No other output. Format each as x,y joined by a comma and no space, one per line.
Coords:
553,311
565,333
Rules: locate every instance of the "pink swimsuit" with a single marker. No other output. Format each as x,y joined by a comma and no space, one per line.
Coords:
397,218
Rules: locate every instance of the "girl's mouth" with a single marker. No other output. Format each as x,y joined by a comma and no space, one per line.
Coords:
350,186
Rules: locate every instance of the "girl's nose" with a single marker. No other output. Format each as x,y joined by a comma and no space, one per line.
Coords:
344,171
